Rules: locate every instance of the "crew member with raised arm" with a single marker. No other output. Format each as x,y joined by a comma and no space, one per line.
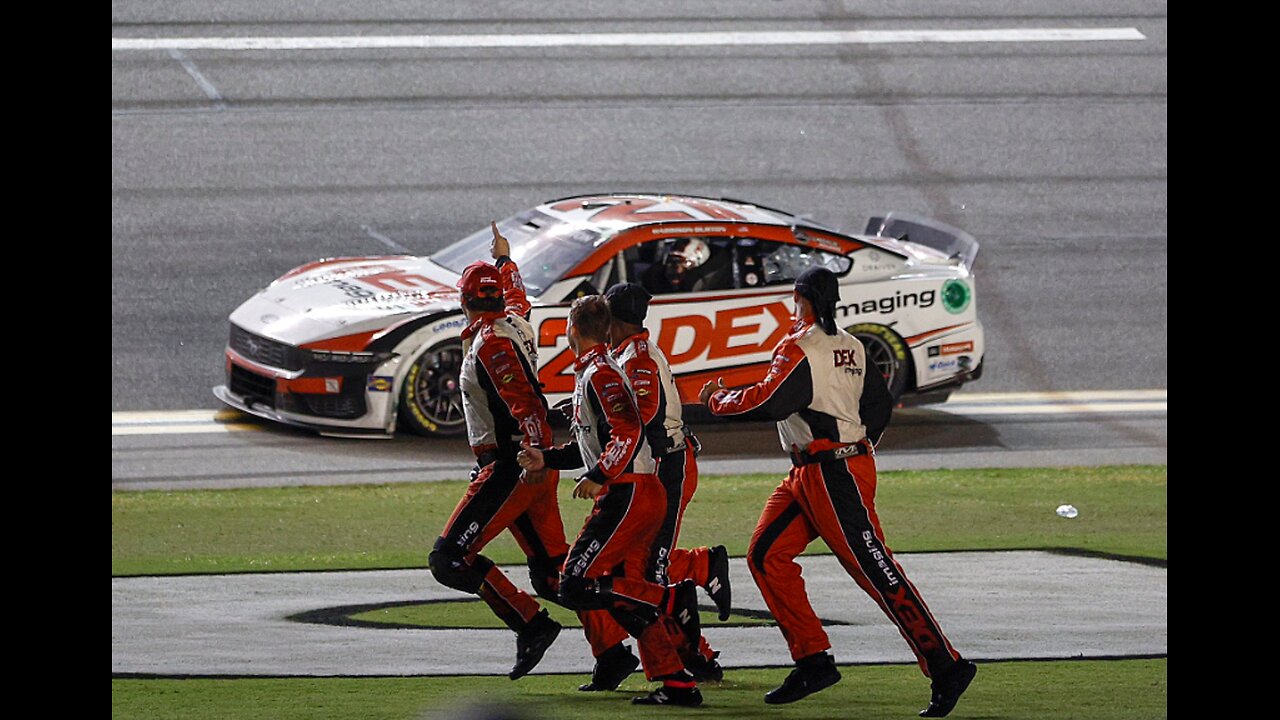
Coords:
504,407
832,406
607,567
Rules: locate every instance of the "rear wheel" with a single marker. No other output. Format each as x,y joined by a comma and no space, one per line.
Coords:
887,352
431,400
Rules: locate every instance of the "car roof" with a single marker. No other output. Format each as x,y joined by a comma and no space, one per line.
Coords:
616,212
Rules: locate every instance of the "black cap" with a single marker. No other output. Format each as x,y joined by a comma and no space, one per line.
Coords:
628,302
820,286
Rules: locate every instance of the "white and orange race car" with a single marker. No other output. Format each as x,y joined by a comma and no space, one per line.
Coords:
363,345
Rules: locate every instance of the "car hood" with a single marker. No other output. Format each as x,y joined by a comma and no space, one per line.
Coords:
348,297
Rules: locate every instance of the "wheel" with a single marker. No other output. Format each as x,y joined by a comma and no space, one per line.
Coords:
888,352
431,400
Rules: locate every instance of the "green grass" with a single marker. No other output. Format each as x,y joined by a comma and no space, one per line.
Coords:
1122,510
475,614
1099,689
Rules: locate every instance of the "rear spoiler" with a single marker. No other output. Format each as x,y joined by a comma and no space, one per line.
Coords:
957,244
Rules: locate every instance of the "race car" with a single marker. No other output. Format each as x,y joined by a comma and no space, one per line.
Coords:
362,346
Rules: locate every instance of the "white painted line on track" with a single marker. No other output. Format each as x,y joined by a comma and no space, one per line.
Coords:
209,88
687,39
385,240
1084,402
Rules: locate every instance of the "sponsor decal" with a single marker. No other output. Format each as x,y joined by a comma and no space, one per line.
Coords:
508,378
584,562
467,535
905,609
689,230
951,348
352,290
844,357
380,383
938,367
890,303
956,296
877,554
459,322
333,385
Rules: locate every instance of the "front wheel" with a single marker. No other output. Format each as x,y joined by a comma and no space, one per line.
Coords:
886,351
431,400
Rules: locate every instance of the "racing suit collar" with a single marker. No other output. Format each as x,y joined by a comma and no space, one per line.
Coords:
483,319
642,335
585,358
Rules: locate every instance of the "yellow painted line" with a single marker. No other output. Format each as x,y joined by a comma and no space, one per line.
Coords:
180,422
1066,396
195,429
1047,409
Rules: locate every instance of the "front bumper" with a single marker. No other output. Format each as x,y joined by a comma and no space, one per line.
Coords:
345,401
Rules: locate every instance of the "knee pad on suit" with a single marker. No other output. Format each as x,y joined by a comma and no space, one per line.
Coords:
634,620
450,568
544,575
579,593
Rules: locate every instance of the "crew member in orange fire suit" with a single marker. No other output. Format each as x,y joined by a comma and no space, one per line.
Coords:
831,408
504,407
607,567
674,448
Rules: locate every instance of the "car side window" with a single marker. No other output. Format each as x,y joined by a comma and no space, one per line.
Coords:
779,263
682,264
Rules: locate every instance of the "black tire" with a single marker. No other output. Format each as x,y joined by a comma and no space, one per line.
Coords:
887,351
431,399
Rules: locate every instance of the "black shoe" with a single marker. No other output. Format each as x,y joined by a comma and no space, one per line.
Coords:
667,695
717,586
532,643
704,670
813,673
684,610
948,688
612,667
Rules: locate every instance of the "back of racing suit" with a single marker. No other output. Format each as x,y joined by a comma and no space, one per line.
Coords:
831,407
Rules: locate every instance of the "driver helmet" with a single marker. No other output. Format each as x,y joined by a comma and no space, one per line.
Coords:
687,254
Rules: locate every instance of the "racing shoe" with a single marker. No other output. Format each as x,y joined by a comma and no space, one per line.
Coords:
682,606
717,586
813,673
532,643
612,667
948,688
678,689
704,669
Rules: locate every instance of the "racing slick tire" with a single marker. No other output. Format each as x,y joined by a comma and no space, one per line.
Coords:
431,398
888,351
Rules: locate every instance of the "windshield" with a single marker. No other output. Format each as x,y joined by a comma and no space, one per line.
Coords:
544,248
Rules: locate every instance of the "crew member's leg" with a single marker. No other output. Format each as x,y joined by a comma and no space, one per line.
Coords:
616,537
782,533
841,497
678,472
493,502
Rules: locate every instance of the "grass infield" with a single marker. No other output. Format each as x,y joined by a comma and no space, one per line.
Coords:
1098,689
1123,510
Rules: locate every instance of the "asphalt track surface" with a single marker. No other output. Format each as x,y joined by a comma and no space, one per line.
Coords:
230,167
1001,605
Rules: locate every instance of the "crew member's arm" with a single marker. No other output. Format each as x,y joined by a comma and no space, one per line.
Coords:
785,390
876,404
642,371
609,396
513,293
515,383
